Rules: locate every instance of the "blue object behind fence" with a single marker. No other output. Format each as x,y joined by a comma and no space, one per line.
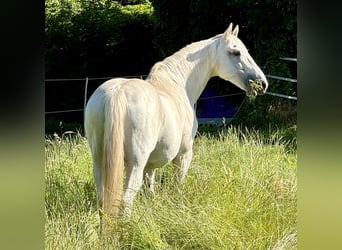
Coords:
210,105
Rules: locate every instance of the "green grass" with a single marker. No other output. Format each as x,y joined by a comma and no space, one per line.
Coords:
240,193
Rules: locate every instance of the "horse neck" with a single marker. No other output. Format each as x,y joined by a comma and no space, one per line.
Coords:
190,68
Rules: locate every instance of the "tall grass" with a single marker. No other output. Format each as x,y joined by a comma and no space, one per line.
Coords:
240,193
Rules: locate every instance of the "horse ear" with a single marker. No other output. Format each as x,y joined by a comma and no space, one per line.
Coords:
236,30
228,32
230,28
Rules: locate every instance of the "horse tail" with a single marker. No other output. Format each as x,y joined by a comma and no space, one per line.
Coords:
113,153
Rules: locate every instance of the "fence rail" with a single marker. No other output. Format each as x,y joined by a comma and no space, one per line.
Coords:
87,79
283,96
64,111
291,59
282,78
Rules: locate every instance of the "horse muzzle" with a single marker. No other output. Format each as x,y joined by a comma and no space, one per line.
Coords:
257,87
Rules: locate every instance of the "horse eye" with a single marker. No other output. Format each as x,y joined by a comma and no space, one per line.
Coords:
235,52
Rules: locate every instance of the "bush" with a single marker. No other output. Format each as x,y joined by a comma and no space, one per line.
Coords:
97,38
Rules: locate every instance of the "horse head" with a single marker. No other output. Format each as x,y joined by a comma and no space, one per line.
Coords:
236,65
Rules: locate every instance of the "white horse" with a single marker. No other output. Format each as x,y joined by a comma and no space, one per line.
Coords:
136,126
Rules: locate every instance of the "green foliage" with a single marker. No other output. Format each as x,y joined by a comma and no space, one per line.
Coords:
97,38
80,30
267,116
179,22
240,193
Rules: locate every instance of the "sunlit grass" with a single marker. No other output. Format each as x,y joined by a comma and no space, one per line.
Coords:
240,193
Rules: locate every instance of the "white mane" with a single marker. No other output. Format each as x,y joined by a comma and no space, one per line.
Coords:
175,71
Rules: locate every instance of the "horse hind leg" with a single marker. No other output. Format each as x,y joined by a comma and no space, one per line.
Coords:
99,187
134,181
96,151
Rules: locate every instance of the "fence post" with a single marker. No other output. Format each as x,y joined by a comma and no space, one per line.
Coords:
85,92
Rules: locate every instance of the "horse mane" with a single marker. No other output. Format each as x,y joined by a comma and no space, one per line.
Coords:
172,72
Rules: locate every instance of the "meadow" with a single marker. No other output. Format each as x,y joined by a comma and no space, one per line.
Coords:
240,193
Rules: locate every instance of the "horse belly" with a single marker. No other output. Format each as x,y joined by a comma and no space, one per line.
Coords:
162,154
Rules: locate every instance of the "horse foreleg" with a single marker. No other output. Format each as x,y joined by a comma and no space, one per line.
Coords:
182,164
149,177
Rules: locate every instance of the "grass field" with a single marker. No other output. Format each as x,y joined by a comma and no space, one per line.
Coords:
240,193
